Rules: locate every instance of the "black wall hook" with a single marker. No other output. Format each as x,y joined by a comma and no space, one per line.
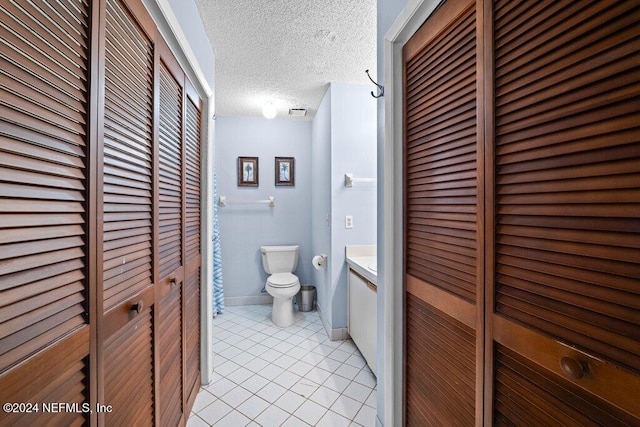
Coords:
380,87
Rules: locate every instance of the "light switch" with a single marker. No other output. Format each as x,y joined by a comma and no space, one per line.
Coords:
348,221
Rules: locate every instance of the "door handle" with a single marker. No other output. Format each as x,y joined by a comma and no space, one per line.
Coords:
371,286
138,307
572,368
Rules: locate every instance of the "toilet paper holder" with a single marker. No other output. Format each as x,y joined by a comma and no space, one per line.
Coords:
319,261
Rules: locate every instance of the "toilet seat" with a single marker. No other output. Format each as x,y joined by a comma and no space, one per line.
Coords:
282,280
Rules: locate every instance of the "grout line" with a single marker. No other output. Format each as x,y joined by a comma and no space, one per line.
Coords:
238,322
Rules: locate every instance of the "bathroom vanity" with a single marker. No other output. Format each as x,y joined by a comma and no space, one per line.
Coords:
362,262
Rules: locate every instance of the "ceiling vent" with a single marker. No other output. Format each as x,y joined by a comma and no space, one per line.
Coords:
297,112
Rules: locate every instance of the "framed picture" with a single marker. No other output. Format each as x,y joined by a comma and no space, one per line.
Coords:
285,171
247,171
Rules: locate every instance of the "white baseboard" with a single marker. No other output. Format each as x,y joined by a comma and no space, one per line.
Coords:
337,334
325,323
249,300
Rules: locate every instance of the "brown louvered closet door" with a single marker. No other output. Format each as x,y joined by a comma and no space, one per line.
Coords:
99,217
566,294
192,160
44,115
127,206
441,227
536,224
170,246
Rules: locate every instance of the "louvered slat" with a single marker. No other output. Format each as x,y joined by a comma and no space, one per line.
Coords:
528,395
170,172
440,377
170,348
128,382
440,160
567,172
192,142
193,126
54,375
192,321
43,120
127,157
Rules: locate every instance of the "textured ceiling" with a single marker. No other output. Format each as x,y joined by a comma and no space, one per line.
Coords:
287,51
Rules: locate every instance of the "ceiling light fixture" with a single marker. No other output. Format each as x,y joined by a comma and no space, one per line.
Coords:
269,111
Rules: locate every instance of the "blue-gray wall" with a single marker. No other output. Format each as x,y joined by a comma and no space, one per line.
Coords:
388,11
343,141
321,199
244,228
339,140
353,150
190,23
187,14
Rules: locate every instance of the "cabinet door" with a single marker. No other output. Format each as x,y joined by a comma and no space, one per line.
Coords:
44,253
126,231
442,204
565,267
362,317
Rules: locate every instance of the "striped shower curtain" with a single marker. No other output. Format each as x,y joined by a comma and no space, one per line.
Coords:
218,292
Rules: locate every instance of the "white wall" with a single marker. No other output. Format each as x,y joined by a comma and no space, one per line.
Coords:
244,228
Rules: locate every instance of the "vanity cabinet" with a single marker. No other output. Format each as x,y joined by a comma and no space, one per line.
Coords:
362,316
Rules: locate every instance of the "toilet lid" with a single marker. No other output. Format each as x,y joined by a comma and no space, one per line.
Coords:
282,280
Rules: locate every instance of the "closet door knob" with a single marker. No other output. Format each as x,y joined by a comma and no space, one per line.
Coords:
572,368
172,282
138,307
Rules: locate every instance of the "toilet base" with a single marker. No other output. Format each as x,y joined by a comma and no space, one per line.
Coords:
282,311
282,314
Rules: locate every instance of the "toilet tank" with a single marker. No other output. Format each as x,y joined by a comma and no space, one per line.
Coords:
279,259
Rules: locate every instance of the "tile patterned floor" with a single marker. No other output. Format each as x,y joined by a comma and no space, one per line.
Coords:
268,376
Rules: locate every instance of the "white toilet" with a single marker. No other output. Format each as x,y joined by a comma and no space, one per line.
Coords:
282,284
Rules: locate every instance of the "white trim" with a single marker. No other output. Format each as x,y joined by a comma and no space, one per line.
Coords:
337,334
176,29
249,300
206,249
325,323
408,22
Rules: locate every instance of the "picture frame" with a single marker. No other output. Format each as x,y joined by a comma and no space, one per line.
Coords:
248,172
285,172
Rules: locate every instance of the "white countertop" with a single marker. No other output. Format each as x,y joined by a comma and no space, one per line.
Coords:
366,266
